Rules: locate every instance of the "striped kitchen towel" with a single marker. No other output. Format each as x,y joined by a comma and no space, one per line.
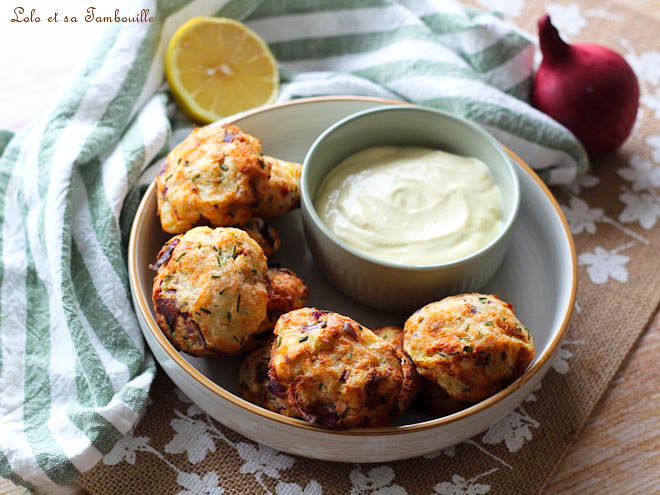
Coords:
74,374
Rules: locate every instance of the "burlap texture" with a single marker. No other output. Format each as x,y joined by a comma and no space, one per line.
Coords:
520,456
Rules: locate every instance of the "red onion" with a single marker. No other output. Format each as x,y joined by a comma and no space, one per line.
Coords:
588,88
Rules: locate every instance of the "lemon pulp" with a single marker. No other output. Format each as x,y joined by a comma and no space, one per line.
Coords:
217,67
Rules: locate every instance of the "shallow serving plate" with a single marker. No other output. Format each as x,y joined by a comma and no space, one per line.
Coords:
538,276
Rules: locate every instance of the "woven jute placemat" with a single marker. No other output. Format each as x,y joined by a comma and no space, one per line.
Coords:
614,213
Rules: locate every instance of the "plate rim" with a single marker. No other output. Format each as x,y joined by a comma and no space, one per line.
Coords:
211,386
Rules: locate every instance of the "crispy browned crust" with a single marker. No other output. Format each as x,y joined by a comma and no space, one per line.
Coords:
472,345
411,379
286,292
255,384
336,372
265,235
179,327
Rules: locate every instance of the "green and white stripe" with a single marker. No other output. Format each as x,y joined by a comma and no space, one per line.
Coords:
74,375
431,53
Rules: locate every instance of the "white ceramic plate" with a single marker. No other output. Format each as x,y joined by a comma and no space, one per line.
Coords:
538,276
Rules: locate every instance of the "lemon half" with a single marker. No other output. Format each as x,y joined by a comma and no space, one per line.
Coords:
217,67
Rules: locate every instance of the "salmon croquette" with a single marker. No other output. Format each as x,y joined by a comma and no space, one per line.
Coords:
218,176
429,397
265,235
256,386
411,380
281,193
286,292
334,371
210,292
472,345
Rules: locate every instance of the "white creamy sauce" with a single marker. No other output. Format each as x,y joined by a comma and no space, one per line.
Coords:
410,205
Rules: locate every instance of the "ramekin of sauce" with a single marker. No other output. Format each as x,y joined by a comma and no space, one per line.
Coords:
402,205
411,205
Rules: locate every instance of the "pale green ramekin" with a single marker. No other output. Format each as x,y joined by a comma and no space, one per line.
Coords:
392,286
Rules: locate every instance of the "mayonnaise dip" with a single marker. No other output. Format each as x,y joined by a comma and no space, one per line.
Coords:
410,205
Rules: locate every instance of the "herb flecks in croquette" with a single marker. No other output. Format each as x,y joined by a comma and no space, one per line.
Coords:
479,366
328,367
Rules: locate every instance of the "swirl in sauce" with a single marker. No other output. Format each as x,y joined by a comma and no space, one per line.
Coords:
410,205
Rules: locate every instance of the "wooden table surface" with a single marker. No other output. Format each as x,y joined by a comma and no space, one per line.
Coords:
618,450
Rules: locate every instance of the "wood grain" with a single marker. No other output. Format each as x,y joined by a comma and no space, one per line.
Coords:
618,450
